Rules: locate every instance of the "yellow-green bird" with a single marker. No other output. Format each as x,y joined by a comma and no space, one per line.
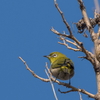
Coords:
61,67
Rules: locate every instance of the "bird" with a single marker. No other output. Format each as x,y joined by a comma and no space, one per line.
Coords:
61,66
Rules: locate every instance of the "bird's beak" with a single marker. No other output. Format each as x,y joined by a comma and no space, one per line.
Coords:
46,56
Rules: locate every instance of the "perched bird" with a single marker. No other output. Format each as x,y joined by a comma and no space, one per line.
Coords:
61,67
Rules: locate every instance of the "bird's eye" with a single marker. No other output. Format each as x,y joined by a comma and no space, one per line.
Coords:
54,55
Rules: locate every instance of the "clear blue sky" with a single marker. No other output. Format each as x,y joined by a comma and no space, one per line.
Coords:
25,31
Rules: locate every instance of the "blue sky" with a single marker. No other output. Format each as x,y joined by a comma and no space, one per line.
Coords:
25,31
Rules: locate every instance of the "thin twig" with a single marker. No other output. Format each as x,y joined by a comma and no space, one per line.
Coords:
74,43
48,69
80,96
66,91
65,35
52,85
32,72
69,46
63,18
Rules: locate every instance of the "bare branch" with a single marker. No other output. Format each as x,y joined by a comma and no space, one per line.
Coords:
32,72
63,18
98,34
80,96
69,46
58,33
79,90
88,54
84,57
65,35
97,6
74,43
53,79
53,89
48,69
86,20
66,91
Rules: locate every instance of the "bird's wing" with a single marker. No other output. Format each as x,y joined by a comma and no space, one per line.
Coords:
62,62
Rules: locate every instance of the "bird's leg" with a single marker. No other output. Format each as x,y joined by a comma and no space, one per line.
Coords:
69,79
69,82
56,77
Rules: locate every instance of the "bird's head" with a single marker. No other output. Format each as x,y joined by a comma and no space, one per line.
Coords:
54,56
